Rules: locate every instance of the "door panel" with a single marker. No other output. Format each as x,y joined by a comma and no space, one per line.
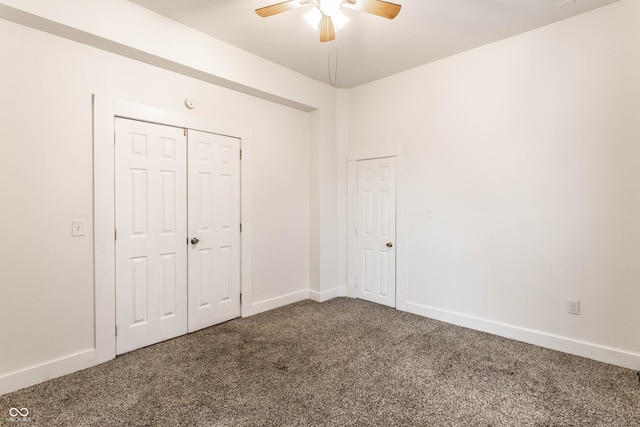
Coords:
214,219
376,225
151,224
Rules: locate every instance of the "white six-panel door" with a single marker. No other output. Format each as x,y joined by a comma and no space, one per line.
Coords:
151,225
376,231
214,229
178,238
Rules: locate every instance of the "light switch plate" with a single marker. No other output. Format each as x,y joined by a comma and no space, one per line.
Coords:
78,226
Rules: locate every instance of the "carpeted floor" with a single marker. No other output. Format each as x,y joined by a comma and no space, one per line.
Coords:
340,363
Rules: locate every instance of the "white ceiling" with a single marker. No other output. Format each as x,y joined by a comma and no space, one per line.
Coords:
369,47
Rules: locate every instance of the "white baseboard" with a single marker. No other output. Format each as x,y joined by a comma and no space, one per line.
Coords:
328,294
270,304
351,290
555,342
46,371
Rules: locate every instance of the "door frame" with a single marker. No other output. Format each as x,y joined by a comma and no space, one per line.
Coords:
105,110
400,155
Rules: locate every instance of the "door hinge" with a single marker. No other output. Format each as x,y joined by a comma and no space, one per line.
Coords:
240,298
241,227
115,234
240,154
185,131
116,331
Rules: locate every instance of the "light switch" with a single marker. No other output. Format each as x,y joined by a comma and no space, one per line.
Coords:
78,227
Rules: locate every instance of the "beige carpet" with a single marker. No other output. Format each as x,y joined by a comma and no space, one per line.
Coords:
340,363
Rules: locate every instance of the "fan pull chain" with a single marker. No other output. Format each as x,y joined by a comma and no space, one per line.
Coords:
333,81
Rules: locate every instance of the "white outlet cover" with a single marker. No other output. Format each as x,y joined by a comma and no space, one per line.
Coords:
573,306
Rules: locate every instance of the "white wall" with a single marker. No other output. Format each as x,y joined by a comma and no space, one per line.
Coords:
46,279
527,153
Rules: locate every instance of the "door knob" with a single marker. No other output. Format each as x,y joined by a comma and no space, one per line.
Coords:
195,241
389,245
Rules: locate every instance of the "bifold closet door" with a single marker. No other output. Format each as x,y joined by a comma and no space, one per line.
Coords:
214,229
151,229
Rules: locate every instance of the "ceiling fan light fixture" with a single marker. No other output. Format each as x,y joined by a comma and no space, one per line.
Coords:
330,7
314,16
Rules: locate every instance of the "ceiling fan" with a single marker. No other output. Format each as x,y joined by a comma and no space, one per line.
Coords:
327,14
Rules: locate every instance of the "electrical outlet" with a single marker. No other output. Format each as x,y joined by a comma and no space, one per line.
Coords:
573,306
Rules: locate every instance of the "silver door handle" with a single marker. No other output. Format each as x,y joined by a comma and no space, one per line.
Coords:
389,245
195,241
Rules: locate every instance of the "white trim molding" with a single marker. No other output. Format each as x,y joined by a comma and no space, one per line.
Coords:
272,303
328,294
46,371
376,153
530,336
402,260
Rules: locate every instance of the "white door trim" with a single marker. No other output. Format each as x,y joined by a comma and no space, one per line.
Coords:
105,110
400,154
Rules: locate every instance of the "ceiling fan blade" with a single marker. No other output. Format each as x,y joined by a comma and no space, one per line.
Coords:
375,7
274,9
327,31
